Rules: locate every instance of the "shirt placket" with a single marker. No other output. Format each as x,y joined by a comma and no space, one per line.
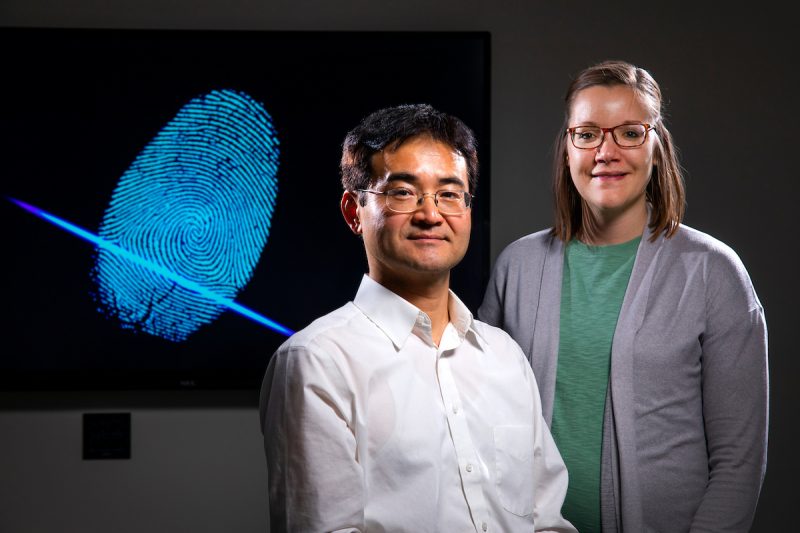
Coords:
472,478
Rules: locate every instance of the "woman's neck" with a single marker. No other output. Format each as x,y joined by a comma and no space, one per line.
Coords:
618,226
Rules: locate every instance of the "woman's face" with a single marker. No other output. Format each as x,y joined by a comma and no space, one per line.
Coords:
611,179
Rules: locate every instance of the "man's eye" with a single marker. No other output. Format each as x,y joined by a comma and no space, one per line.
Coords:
400,193
450,196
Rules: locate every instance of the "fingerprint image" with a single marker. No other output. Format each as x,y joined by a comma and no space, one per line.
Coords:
197,201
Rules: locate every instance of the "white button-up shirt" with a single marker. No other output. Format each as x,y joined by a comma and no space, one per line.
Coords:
369,426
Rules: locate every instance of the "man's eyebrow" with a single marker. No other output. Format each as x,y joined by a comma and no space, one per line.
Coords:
411,178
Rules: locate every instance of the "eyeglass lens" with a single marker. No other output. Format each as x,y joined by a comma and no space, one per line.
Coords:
447,202
627,135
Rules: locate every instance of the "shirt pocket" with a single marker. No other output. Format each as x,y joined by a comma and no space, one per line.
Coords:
514,468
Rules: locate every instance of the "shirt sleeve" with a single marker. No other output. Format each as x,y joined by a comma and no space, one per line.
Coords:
315,480
550,472
735,400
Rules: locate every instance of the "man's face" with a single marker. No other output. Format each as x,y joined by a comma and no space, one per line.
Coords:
411,246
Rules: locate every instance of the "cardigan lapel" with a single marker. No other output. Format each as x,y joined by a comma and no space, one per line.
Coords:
546,325
622,380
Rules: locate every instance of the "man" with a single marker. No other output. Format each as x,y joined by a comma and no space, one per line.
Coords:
399,411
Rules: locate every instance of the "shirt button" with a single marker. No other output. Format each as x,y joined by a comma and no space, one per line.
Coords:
455,409
485,526
469,468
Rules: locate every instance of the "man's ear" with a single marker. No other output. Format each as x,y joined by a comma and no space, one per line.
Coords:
349,206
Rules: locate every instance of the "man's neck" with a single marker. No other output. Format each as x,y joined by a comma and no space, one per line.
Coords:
430,294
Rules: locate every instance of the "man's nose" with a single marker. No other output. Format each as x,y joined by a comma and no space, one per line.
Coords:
428,210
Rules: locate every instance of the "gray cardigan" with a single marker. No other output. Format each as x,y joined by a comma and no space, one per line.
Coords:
685,437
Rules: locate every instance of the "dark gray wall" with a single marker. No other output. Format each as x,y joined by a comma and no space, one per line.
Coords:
727,74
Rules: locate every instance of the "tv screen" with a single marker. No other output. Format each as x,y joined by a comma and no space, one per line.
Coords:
171,198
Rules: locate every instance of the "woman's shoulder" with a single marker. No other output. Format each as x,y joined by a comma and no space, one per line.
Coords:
721,264
532,244
690,240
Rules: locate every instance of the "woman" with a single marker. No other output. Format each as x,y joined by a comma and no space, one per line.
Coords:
646,336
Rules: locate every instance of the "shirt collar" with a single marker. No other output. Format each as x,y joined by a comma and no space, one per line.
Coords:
460,315
396,316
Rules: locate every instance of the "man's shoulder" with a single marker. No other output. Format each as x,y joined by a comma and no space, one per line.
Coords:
323,328
496,339
502,349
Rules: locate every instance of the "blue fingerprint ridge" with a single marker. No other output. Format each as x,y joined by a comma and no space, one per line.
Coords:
197,202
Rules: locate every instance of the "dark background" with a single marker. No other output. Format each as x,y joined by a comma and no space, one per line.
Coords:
729,75
104,94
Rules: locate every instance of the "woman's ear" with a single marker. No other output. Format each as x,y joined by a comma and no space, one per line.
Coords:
349,207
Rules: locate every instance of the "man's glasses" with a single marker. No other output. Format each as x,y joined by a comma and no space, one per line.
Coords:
625,135
402,200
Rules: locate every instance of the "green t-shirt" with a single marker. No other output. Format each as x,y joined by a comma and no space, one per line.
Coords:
592,290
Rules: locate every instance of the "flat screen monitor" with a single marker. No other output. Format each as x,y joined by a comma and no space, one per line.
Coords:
171,198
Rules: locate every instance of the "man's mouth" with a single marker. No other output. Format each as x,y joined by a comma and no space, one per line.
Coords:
426,237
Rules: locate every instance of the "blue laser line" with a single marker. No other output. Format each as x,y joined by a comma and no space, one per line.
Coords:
158,269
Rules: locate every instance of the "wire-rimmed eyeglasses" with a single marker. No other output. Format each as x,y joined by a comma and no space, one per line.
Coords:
403,200
625,135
